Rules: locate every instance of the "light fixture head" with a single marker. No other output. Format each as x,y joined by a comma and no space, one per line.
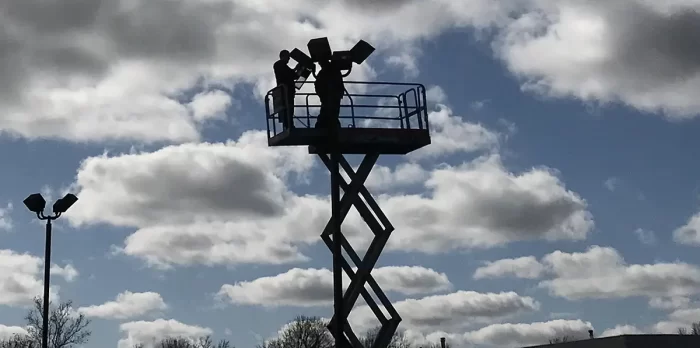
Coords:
64,203
302,58
35,203
361,51
343,60
320,49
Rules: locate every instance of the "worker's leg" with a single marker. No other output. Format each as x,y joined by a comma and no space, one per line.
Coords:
334,111
323,114
290,110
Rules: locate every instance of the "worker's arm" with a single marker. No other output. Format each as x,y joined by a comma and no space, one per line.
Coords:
283,72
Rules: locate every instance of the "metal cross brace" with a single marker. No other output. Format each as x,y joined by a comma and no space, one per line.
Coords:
351,197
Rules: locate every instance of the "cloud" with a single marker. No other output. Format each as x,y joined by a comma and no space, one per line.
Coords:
382,179
601,272
608,51
689,233
685,315
679,318
314,287
450,134
520,335
228,202
523,267
231,203
119,70
96,70
148,332
210,105
7,332
481,204
5,218
622,330
69,273
646,237
450,311
435,94
611,184
21,278
675,302
127,305
407,60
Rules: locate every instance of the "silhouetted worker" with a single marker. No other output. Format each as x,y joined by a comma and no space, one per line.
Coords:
329,88
286,76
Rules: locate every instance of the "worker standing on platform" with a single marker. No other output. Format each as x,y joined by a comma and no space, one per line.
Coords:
329,88
286,76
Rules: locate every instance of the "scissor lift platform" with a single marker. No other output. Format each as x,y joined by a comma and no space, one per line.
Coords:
355,140
378,122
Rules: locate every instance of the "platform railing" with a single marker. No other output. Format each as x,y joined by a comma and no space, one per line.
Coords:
383,105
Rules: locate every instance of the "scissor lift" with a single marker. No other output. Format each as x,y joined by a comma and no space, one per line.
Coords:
388,119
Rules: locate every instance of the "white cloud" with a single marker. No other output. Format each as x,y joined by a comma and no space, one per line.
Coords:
126,305
314,287
523,267
230,203
601,272
435,94
210,105
622,330
5,218
227,203
689,233
679,318
7,332
611,183
382,179
685,315
675,302
645,236
450,134
520,335
118,69
450,311
608,51
481,204
69,273
148,332
21,278
115,70
407,60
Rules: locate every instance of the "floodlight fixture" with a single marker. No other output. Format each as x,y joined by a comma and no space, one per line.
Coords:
361,51
343,59
320,49
35,203
63,204
302,58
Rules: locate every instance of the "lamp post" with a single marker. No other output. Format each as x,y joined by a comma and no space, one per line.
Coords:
36,204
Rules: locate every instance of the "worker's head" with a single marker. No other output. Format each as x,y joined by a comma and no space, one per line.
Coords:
284,56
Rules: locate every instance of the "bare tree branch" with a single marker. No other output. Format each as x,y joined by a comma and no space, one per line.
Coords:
67,329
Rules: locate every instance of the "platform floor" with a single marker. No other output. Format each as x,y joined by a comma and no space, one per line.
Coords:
390,141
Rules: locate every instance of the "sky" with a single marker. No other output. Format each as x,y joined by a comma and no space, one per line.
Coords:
559,194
